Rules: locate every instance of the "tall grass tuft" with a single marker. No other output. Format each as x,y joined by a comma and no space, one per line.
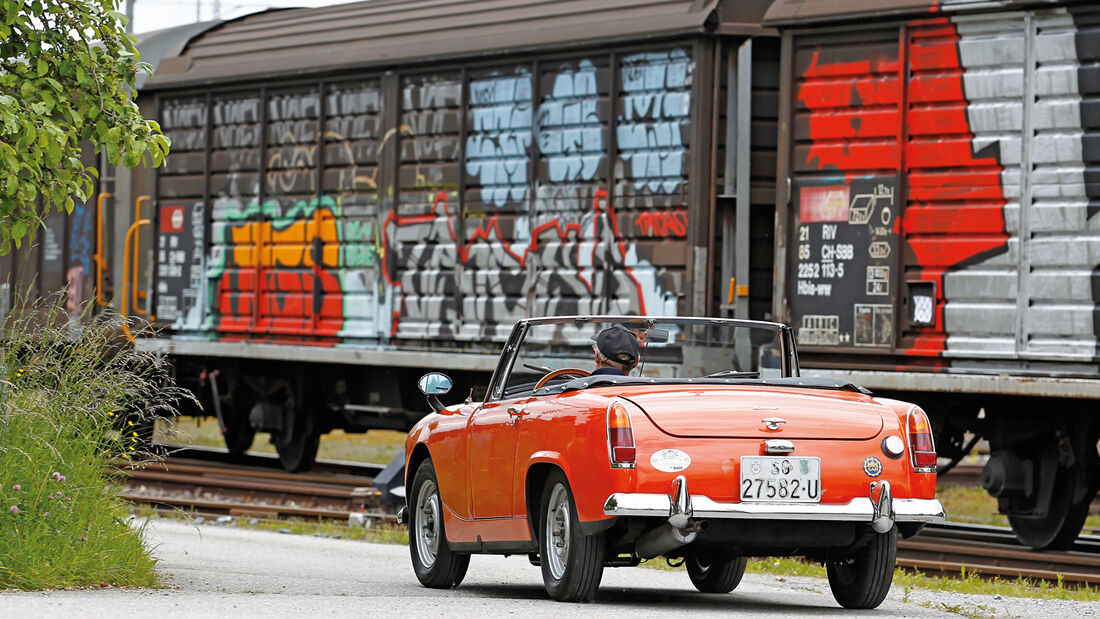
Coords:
74,396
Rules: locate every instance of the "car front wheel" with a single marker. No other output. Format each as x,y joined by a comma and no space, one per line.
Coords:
572,562
711,576
435,564
862,579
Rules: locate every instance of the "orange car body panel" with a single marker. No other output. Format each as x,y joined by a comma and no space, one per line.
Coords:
482,458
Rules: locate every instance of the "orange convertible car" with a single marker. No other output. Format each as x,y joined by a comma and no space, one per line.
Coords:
609,440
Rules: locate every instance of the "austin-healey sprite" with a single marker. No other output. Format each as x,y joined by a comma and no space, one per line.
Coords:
610,440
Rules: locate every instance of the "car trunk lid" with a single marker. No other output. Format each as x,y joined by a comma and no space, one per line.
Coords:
740,412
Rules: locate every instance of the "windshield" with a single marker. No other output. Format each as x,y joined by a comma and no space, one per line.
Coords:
667,348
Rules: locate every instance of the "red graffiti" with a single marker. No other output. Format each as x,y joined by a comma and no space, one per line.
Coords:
954,203
662,223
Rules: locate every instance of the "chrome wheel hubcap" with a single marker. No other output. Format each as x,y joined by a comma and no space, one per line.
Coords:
428,523
557,532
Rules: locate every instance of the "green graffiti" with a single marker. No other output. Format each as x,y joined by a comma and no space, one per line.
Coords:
357,229
354,255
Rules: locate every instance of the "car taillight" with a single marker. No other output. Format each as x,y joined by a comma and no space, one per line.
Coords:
620,438
921,448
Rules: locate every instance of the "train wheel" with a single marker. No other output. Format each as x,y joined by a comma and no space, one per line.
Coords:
1059,528
239,435
297,446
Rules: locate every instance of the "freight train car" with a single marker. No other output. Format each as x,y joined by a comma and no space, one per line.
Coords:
361,192
938,183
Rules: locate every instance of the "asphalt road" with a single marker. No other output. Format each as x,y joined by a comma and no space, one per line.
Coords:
220,571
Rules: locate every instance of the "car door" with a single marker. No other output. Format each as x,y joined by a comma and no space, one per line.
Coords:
492,456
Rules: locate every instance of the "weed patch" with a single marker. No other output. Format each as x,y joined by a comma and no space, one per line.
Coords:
71,399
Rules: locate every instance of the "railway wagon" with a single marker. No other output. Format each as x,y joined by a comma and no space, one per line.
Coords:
938,180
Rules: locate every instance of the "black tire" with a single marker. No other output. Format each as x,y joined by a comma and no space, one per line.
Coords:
863,579
572,572
435,564
710,576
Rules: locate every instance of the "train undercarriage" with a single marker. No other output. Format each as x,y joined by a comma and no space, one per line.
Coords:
298,403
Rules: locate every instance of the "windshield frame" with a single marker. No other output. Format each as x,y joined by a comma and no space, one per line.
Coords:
789,358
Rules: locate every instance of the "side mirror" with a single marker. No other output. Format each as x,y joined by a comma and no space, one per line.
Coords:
434,384
657,336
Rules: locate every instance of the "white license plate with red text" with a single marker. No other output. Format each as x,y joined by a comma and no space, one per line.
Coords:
781,479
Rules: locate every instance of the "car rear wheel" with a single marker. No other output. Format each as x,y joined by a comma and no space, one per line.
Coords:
435,564
711,576
862,579
572,562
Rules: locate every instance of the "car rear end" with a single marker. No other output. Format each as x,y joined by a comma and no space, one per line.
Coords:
769,471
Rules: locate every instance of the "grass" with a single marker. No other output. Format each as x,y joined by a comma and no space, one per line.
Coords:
64,393
376,446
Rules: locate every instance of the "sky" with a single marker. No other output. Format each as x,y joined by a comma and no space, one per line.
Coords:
158,14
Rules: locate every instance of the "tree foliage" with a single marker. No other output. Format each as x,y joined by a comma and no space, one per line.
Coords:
67,69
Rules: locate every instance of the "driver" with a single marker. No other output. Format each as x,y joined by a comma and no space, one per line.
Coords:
616,351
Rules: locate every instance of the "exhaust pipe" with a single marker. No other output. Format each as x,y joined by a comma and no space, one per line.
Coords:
662,540
680,529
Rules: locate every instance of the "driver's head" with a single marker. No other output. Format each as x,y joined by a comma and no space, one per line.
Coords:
616,347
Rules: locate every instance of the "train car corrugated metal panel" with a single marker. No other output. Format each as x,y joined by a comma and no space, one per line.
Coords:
444,205
386,32
803,12
996,177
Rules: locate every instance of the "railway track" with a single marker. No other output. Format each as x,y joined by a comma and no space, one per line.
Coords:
198,482
991,551
251,487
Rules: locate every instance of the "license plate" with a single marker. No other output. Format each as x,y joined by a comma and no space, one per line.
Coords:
778,479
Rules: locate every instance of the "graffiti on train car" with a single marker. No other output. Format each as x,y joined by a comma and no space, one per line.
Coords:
537,233
992,219
966,206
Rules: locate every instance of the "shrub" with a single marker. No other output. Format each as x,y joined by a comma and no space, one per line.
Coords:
74,396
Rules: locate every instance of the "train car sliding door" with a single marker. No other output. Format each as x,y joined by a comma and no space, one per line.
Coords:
905,169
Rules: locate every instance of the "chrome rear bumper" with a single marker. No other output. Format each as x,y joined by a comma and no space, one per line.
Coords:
878,508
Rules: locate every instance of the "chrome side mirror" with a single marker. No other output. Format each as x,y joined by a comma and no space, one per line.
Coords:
434,384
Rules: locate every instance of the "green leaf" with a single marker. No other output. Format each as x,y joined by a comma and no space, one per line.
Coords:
42,67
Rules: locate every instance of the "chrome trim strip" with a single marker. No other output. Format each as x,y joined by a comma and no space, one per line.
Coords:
857,510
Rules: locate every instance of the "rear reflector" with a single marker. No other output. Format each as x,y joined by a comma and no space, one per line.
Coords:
620,437
921,447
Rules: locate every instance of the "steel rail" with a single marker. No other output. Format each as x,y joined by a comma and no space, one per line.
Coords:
249,490
994,552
